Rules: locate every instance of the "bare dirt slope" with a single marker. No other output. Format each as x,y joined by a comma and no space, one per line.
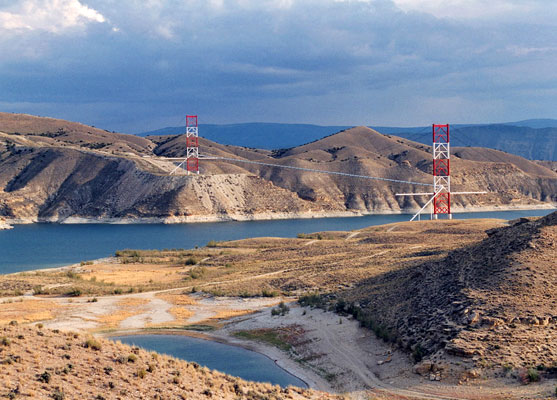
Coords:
363,151
54,170
492,303
42,363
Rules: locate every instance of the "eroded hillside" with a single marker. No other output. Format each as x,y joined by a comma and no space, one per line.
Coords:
54,170
492,303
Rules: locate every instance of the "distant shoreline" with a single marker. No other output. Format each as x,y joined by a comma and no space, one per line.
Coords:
8,224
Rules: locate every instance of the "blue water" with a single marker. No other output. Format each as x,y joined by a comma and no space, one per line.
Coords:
231,360
51,245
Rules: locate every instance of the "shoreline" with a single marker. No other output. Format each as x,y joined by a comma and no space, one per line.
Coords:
5,226
249,346
8,224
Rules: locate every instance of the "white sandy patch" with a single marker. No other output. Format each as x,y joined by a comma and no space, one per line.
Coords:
156,312
346,358
209,307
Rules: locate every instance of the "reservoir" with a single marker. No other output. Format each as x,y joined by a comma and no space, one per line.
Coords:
231,360
37,246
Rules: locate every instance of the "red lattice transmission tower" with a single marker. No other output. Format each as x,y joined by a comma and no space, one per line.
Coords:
192,144
441,170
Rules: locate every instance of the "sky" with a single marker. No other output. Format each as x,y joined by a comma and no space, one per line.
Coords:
138,65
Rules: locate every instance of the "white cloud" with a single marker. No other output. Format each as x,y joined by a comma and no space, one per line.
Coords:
48,15
464,8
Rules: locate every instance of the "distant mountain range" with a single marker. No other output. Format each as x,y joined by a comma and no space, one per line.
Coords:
535,139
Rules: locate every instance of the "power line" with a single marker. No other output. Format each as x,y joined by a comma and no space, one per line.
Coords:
316,170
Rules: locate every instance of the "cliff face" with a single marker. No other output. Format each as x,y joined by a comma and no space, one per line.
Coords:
55,170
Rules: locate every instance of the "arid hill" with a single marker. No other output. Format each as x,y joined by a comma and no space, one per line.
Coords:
54,170
492,303
41,363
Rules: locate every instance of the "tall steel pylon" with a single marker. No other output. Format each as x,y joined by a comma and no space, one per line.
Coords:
441,196
192,144
441,171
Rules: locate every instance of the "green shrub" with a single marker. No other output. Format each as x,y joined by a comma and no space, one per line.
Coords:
311,300
38,289
418,353
190,261
340,306
44,377
269,293
72,275
197,272
75,292
58,394
212,243
132,358
92,344
533,375
4,341
141,373
282,309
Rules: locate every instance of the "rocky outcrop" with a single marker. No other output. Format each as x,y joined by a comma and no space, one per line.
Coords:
4,225
491,303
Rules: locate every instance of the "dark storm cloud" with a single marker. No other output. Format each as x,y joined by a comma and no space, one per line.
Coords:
134,65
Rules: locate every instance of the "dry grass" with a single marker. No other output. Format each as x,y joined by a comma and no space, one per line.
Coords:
177,299
114,319
229,313
28,311
273,266
103,368
132,302
134,274
181,314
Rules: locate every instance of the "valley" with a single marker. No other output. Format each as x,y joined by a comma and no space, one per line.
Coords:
336,285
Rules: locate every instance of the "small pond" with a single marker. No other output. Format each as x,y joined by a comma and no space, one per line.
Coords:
232,360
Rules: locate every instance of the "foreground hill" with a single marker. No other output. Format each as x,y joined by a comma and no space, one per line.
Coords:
54,170
42,363
492,303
